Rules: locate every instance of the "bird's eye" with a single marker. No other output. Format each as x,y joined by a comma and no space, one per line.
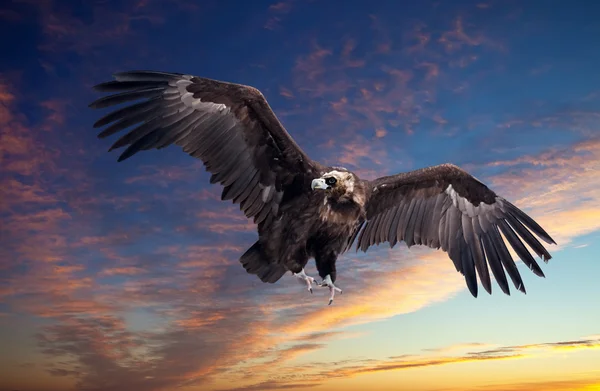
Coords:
330,181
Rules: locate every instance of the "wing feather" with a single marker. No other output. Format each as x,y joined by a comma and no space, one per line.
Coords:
445,207
383,229
506,259
373,230
393,229
433,232
406,219
468,266
453,230
415,221
230,127
495,263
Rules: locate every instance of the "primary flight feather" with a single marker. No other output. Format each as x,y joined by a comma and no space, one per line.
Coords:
304,209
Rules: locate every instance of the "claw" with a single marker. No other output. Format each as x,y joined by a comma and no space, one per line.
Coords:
332,288
305,279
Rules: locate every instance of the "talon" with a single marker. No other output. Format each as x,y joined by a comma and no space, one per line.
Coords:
303,278
332,288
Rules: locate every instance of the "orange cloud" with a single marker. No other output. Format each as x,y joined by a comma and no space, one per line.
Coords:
426,270
380,132
205,318
226,220
429,269
21,151
548,182
313,373
592,384
128,271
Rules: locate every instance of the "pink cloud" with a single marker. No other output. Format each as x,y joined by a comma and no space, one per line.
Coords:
204,317
276,13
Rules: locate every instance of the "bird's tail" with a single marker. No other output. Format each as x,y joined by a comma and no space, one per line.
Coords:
255,262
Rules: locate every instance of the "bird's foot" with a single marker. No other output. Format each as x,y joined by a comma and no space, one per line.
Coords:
305,279
332,288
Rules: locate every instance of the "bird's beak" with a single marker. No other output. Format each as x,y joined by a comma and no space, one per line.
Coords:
319,183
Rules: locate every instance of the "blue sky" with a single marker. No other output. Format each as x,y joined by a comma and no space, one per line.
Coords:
125,275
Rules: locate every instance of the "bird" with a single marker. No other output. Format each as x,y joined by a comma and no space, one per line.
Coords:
303,209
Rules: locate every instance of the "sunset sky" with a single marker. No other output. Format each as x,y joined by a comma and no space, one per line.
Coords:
125,276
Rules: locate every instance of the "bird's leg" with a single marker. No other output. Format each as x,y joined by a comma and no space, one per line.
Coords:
332,288
325,261
305,279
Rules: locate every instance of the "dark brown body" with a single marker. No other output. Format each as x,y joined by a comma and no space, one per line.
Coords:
296,235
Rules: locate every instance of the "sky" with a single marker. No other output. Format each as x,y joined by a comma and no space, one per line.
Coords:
125,276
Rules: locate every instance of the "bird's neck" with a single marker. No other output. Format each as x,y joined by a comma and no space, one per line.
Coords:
341,210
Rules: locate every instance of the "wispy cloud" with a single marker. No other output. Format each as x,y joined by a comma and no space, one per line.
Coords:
65,31
312,373
128,273
580,383
277,12
453,40
559,185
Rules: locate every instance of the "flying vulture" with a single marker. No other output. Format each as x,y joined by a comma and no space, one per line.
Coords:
304,209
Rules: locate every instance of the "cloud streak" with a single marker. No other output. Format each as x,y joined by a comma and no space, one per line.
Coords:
127,276
312,373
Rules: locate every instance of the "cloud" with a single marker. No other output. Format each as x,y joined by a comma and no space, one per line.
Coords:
286,92
312,372
589,384
229,220
405,78
410,364
66,32
21,149
29,207
429,269
86,33
56,110
10,15
165,176
274,385
558,185
588,343
455,38
276,14
383,41
206,318
130,273
312,65
460,347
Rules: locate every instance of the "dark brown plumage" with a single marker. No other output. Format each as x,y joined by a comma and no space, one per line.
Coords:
304,209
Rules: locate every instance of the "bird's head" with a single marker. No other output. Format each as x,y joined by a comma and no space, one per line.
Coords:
339,185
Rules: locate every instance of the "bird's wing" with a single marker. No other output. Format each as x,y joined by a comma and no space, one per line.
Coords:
444,206
230,127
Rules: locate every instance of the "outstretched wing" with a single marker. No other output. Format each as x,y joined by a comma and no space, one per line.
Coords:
444,206
230,127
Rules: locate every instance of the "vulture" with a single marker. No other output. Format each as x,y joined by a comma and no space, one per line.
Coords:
303,209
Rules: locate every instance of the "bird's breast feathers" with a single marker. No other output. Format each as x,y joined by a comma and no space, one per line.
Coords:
339,214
